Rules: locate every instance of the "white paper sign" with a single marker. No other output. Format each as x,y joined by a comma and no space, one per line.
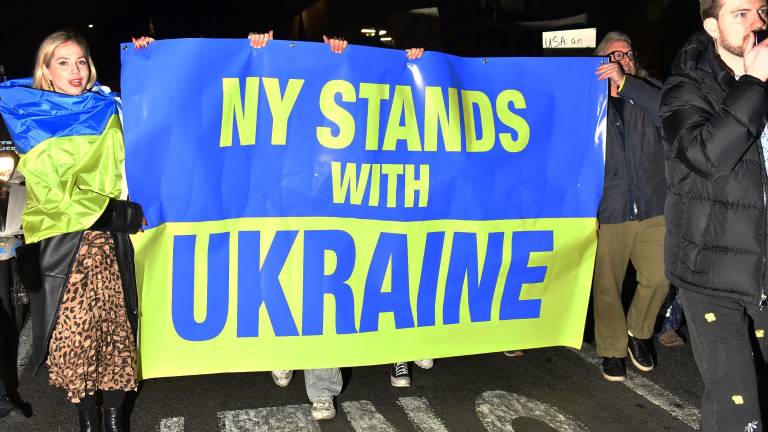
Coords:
580,38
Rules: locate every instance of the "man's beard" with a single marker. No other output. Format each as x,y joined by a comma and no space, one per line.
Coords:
735,50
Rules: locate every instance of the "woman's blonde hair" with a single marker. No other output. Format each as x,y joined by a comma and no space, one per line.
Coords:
45,55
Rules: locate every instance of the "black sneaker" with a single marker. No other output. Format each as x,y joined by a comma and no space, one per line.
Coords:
638,352
9,414
400,376
613,369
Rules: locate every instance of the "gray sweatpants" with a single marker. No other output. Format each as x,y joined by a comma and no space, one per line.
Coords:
323,383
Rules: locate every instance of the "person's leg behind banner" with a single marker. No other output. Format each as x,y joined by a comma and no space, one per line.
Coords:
323,385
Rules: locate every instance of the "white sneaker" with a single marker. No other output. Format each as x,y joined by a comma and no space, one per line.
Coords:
323,409
425,364
282,377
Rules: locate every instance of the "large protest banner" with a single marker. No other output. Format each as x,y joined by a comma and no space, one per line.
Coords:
309,209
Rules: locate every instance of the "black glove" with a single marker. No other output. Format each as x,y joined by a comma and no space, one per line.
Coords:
120,216
28,265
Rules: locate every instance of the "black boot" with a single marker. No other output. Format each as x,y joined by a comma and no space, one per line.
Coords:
112,420
9,414
89,421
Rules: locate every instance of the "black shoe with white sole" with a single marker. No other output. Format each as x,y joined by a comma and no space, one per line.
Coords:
400,375
639,353
613,369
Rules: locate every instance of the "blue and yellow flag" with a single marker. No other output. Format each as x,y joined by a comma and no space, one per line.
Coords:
71,151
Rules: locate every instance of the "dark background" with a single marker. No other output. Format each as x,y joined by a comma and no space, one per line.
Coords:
464,27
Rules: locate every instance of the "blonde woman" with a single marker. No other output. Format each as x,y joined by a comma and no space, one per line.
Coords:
84,306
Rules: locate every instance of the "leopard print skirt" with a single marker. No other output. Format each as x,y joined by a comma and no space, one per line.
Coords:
92,346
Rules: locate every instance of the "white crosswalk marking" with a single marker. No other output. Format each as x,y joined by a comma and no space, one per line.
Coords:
497,409
683,411
421,414
172,424
290,418
365,418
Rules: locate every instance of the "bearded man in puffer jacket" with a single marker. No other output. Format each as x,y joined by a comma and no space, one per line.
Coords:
713,110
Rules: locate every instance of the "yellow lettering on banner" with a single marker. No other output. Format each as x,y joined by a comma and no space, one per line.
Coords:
513,120
281,106
336,114
391,171
402,106
435,116
375,93
232,110
349,184
484,143
412,185
373,196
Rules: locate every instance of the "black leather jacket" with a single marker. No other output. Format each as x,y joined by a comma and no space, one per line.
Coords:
45,268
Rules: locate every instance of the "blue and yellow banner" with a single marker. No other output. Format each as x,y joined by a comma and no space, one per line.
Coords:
309,209
71,155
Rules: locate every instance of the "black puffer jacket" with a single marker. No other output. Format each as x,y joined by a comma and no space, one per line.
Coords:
45,267
716,202
634,185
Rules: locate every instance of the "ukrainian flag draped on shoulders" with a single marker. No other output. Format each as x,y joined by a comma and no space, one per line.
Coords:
71,151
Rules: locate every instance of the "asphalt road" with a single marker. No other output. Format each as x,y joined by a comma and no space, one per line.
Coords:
550,389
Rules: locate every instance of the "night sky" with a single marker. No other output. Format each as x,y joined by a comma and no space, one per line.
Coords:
658,27
25,26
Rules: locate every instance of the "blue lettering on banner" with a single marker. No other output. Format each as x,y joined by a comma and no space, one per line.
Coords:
463,266
183,287
523,243
317,283
425,303
261,285
391,248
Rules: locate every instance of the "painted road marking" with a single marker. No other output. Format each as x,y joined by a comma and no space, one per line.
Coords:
421,414
289,418
172,424
646,388
364,417
497,409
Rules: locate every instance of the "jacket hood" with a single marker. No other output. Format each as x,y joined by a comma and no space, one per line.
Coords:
698,56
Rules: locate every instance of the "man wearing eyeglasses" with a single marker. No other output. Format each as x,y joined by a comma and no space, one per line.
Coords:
630,215
713,109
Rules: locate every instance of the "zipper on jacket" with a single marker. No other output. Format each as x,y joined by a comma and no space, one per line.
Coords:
763,297
631,208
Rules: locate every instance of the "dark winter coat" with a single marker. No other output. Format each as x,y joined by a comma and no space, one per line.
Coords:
716,202
45,268
634,187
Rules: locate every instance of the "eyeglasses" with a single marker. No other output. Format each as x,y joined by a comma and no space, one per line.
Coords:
619,55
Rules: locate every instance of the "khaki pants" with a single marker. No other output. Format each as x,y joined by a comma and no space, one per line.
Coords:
643,244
